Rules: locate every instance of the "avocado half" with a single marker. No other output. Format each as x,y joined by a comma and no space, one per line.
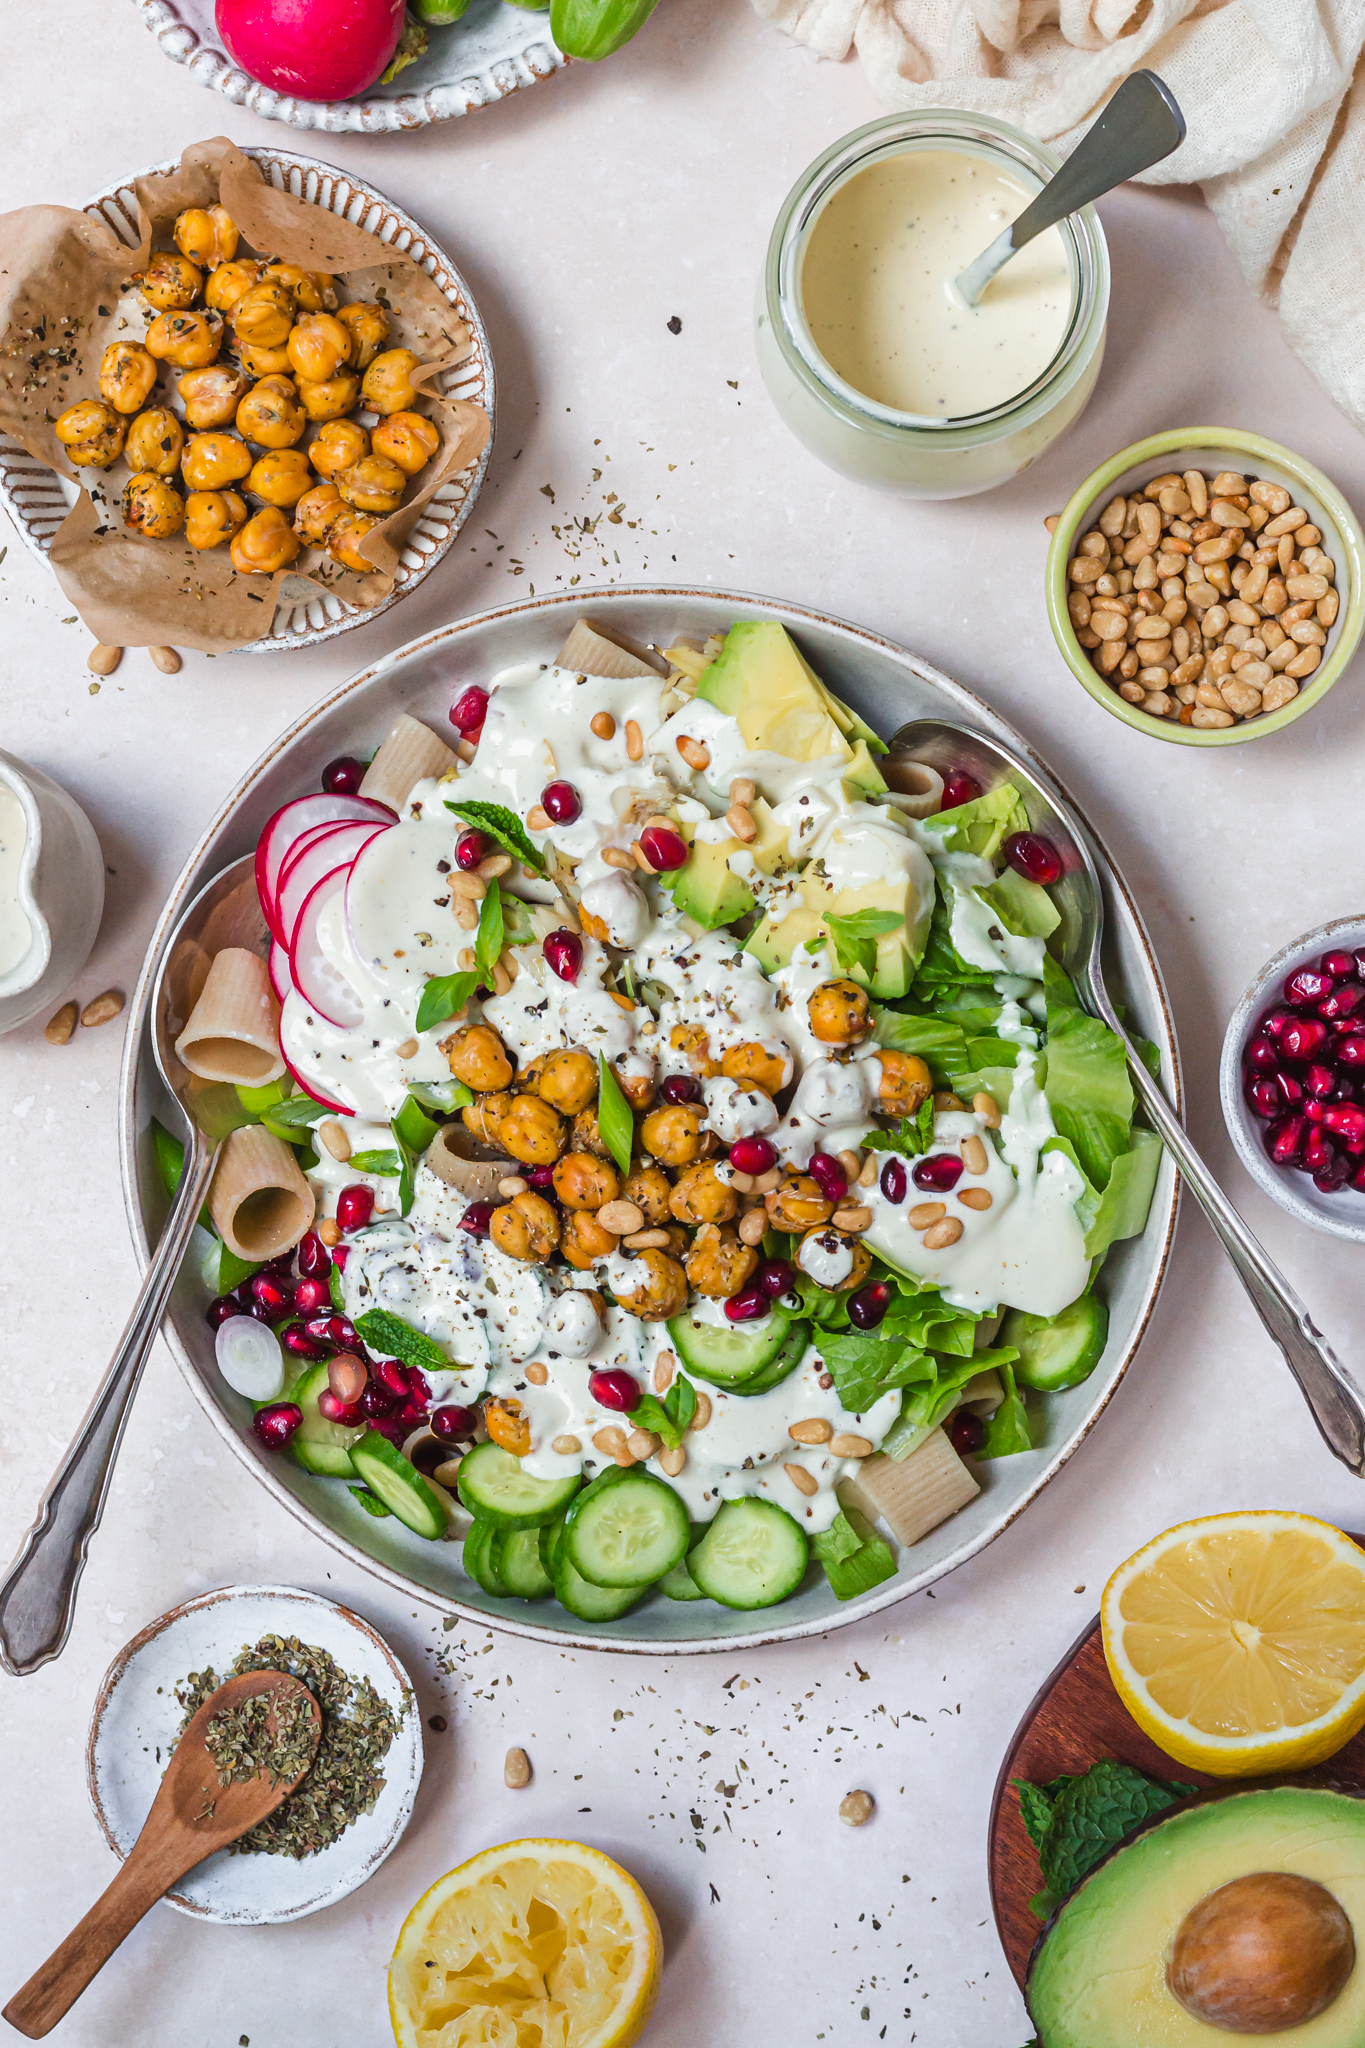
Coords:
1097,1978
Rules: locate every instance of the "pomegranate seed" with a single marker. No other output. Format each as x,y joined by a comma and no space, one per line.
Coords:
1342,1002
344,776
218,1311
1283,1140
941,1171
775,1277
1274,1021
752,1155
1319,1081
1307,986
340,1254
451,1423
391,1426
1264,1098
966,1433
280,1267
1347,1119
895,1181
1332,1176
828,1175
1341,966
663,849
868,1306
1036,859
275,1425
311,1296
477,1218
277,1301
392,1376
470,849
1287,1088
1349,1051
614,1389
541,1178
469,710
563,950
411,1415
1302,1037
680,1088
336,1330
376,1401
1318,1150
299,1344
347,1377
260,1311
313,1256
747,1306
1261,1054
355,1206
561,802
348,1413
419,1386
959,788
1314,1110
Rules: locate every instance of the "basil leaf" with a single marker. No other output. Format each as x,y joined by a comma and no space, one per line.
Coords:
670,1417
412,1127
393,1337
614,1120
445,995
855,937
1007,1432
504,826
681,1403
447,1096
488,938
387,1164
371,1502
916,1133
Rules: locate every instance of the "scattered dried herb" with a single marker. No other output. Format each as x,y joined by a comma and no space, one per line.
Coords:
344,1782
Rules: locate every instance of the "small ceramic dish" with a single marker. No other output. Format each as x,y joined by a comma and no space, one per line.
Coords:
1341,1214
1212,449
137,1720
58,892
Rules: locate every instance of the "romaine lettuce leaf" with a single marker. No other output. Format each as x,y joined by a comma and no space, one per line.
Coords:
854,1556
1087,1085
941,1043
943,967
1023,907
866,1363
1121,1211
1007,1432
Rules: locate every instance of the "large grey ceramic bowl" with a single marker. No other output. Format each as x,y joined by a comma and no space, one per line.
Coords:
888,687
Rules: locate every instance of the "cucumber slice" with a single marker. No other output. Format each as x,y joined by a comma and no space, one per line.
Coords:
479,1561
516,1559
551,1537
589,1602
317,1444
398,1483
753,1555
497,1488
679,1584
1057,1351
779,1368
728,1353
627,1529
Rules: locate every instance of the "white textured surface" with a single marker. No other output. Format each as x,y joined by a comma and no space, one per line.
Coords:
585,214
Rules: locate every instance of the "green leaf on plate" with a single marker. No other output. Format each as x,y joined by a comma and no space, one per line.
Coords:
387,1164
614,1120
500,824
915,1135
488,938
393,1337
445,995
855,937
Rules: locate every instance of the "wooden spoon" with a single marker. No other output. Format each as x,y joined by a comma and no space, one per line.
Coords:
191,1816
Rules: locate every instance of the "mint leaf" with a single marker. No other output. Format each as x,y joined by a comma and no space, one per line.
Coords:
1094,1811
615,1123
1035,1809
445,995
488,938
371,1502
855,937
386,1163
854,1556
915,1135
397,1339
500,824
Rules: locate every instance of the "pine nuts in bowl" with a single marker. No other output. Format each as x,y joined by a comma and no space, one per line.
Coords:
1207,586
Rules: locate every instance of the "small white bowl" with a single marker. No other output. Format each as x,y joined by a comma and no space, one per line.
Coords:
1343,1213
60,890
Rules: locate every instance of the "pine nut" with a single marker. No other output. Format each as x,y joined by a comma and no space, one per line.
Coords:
693,752
641,859
741,823
742,791
166,659
1205,719
603,725
609,1440
742,1183
1274,497
854,1218
1328,606
856,1809
987,1109
516,1770
940,1235
1303,664
925,1213
1312,587
512,1184
672,1461
974,1156
102,660
58,1028
333,1138
804,1481
1286,522
846,1445
642,1444
1278,693
101,1009
646,1241
868,1176
701,1415
566,1446
329,1230
976,1198
472,886
1113,516
538,819
635,741
537,1374
616,857
665,1365
466,916
621,1217
496,864
502,980
752,1226
813,1430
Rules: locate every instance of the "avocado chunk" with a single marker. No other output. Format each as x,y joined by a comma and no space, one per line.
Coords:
866,844
1099,1978
760,679
708,889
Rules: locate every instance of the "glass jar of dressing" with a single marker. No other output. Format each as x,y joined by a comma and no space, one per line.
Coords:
870,357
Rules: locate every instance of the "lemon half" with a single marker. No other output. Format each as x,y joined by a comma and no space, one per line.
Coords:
1237,1642
536,1944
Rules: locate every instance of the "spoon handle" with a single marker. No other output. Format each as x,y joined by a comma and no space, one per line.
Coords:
38,1592
1337,1403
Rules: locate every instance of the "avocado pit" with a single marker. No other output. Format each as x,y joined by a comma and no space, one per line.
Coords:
1267,1952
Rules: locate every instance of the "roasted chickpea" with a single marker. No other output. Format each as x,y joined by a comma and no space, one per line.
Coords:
532,1132
171,283
568,1081
337,446
583,1240
212,460
92,433
584,1135
718,1263
484,1117
211,517
659,1291
127,374
796,1203
830,1241
266,543
373,485
189,340
317,513
638,1089
211,397
582,1181
261,362
313,291
207,235
700,1197
507,1425
156,441
905,1085
330,400
344,538
595,927
280,477
527,1227
263,316
691,1040
840,1012
271,415
407,438
673,1135
230,283
477,1056
319,346
756,1066
152,506
369,330
388,381
649,1188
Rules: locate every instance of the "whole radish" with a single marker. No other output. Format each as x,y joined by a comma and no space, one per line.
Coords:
314,49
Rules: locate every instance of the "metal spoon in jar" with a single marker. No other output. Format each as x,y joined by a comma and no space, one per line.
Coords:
1337,1404
38,1592
1140,125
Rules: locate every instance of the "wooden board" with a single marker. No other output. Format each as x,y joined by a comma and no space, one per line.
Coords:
1076,1719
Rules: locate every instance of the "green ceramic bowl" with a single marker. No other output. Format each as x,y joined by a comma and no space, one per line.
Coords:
1211,449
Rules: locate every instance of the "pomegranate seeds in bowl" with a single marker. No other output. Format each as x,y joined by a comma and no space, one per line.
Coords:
1303,1072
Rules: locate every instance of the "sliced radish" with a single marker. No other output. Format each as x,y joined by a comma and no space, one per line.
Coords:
318,981
331,853
294,818
309,1087
314,836
280,979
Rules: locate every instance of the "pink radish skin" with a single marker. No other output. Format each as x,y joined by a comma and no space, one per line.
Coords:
316,1093
289,822
279,972
331,853
317,49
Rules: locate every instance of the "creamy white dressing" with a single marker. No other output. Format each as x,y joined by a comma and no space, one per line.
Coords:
16,933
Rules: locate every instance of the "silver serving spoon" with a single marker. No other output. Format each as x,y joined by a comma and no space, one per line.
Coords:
1338,1405
1140,125
38,1592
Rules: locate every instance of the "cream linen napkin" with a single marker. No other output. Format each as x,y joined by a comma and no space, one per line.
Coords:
1274,106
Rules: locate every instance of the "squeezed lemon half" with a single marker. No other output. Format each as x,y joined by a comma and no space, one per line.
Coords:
1237,1642
536,1944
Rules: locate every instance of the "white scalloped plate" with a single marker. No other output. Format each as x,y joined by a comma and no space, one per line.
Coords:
495,50
38,499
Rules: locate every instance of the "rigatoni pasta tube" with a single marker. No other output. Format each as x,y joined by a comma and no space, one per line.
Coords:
915,1495
588,652
233,1033
259,1201
409,754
